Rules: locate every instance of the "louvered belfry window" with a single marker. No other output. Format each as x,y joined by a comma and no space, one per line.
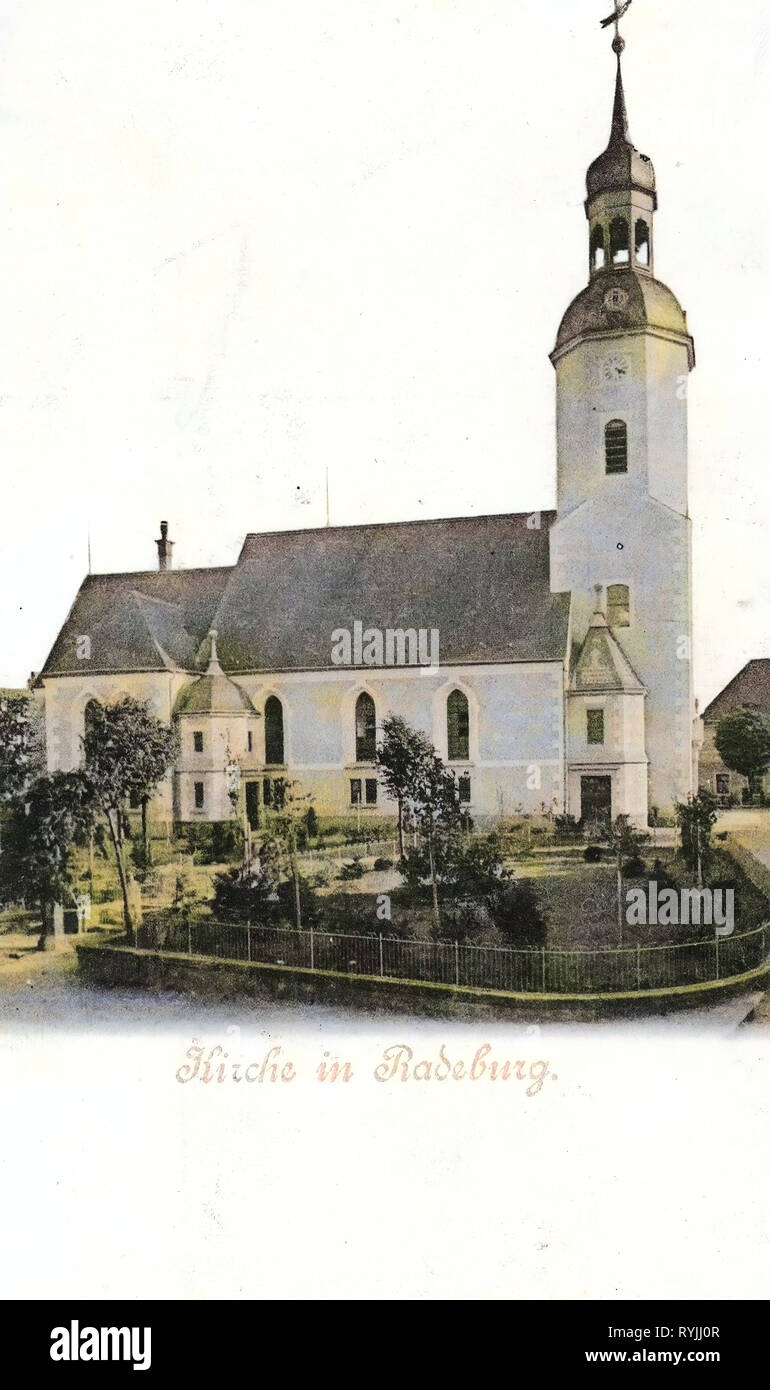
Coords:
616,446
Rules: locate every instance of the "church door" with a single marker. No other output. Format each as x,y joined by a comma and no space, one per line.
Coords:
596,801
252,804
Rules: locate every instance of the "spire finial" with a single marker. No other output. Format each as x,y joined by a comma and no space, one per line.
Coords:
213,668
618,44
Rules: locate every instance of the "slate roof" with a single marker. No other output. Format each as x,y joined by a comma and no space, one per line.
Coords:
602,663
482,581
751,686
646,303
147,621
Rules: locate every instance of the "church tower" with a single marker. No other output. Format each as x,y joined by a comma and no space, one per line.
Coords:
622,358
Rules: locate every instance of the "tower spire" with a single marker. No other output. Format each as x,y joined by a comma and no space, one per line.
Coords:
619,129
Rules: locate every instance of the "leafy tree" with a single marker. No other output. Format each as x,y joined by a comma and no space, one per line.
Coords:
401,751
42,827
20,745
286,821
742,741
695,818
626,843
127,753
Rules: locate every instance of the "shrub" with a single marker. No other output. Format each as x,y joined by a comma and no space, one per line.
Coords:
381,864
287,906
567,827
634,867
517,916
226,841
352,869
311,823
245,895
593,854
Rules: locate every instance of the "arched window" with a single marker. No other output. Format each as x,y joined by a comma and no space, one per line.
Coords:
618,605
457,727
597,248
366,729
619,241
616,446
273,730
642,242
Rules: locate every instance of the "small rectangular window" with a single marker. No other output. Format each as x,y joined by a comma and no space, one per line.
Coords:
199,795
464,788
370,788
355,791
618,605
595,725
250,742
198,742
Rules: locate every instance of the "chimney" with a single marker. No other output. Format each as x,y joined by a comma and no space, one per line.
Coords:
165,548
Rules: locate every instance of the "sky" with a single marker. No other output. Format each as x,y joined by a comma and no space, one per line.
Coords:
244,242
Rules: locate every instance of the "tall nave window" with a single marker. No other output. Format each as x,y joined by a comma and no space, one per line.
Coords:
366,729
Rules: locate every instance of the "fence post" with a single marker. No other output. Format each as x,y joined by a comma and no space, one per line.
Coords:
382,972
312,948
543,956
638,966
716,939
457,963
248,943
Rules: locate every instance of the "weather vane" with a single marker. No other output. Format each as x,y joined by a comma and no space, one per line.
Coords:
618,44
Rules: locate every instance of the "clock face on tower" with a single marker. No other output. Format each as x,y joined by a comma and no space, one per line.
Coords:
616,367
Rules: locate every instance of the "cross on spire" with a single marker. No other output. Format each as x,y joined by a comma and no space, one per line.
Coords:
618,43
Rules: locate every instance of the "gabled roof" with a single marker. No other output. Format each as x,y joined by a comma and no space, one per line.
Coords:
602,665
143,621
751,686
483,582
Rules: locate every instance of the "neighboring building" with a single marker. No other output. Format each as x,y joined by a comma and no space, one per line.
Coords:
750,687
564,679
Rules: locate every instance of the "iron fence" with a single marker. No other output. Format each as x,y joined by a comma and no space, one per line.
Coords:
524,971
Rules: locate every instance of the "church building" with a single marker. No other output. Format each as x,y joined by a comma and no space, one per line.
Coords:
547,655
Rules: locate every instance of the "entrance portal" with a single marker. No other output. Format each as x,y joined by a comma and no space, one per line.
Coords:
596,801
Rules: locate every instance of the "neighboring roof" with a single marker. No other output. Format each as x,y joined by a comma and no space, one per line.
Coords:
147,621
646,303
483,582
751,686
602,664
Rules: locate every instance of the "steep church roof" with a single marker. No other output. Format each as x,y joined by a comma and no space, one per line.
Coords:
602,664
146,621
482,581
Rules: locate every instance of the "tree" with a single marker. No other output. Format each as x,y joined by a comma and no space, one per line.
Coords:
695,818
20,750
626,843
42,827
127,753
433,796
285,823
402,749
742,741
